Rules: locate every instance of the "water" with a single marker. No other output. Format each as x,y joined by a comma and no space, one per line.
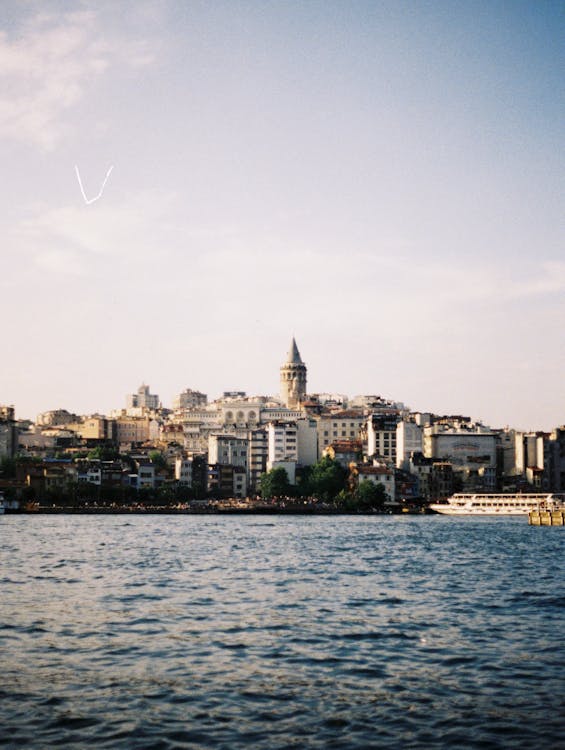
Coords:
280,632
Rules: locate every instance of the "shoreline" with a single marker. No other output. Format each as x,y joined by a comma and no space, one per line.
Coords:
207,512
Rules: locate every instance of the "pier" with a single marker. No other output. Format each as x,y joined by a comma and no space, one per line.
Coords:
547,517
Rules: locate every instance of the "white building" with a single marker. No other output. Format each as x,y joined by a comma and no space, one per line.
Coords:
242,414
282,442
227,450
537,458
409,439
198,425
279,414
183,471
381,435
529,450
468,449
146,475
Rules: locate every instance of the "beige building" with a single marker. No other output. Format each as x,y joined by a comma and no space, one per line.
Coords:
189,399
132,430
343,425
143,399
96,428
306,441
56,417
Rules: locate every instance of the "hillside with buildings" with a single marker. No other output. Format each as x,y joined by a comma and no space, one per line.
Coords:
200,452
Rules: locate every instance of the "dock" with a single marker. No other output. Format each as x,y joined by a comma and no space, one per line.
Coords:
546,517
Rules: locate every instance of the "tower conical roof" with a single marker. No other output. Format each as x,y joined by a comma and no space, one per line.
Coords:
294,355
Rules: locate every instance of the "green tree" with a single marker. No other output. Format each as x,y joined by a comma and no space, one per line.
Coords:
345,500
274,483
327,479
370,496
159,460
103,453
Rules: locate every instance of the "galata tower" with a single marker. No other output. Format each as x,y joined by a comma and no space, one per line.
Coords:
293,378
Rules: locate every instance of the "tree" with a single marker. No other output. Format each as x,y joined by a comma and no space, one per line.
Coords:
103,453
326,480
370,496
159,460
274,483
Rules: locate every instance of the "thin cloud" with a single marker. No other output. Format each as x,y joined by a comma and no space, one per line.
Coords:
46,69
68,240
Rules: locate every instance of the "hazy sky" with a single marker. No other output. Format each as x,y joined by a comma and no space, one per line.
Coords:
384,180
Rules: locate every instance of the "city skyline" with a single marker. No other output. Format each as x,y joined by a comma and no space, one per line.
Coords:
283,396
381,180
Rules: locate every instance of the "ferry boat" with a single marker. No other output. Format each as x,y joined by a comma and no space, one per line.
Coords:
503,504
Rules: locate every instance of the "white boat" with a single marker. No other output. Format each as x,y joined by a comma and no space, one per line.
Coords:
502,504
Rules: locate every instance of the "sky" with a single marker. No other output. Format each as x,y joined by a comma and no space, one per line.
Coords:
381,180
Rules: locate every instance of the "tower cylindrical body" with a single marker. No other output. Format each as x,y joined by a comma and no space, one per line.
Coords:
293,379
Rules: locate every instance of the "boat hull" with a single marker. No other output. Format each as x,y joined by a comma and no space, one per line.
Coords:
447,511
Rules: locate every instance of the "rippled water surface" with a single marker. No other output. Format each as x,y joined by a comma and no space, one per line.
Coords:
280,632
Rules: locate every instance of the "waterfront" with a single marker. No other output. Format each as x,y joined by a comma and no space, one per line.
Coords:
280,632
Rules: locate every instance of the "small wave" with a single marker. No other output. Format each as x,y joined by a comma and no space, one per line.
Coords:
377,635
67,721
376,672
336,722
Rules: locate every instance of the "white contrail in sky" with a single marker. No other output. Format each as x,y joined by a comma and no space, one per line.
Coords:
91,200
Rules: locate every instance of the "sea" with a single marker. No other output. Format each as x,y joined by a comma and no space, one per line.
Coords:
272,632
